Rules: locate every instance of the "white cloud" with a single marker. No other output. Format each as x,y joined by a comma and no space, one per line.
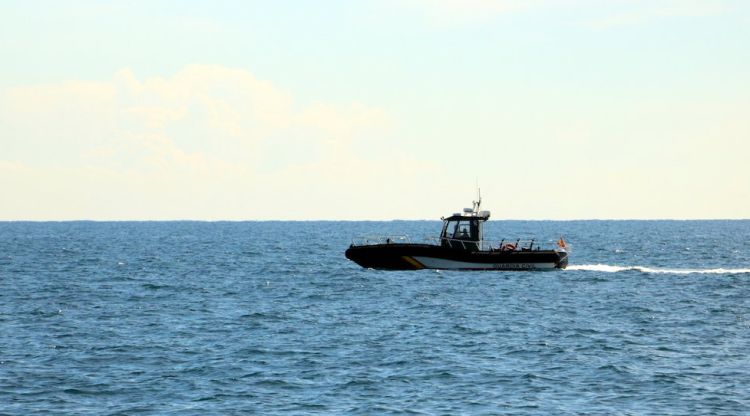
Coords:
209,143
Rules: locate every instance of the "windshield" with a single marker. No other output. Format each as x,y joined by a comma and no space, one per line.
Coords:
462,230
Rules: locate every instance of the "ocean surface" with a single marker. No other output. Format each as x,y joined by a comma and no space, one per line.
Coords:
270,318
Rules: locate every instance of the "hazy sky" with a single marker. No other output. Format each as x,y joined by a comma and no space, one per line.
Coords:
561,109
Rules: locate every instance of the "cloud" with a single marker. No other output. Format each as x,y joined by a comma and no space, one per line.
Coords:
209,142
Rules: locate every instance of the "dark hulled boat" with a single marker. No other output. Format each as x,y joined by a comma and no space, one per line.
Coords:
460,246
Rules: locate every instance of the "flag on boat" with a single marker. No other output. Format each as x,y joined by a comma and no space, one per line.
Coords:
561,243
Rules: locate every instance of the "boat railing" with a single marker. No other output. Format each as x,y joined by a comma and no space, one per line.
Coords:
484,245
460,243
370,240
489,245
514,245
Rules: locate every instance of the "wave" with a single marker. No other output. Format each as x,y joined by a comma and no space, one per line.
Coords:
643,269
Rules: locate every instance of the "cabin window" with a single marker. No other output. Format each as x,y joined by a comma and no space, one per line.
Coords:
463,230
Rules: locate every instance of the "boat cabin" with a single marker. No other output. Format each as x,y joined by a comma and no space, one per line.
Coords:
463,231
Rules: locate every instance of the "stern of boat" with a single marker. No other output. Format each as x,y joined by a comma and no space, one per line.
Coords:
562,261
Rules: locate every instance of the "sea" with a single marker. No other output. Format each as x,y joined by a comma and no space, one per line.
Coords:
270,318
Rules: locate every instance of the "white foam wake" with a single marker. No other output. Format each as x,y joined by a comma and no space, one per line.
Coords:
614,269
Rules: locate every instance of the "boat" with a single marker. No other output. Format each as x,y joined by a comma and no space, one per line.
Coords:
461,246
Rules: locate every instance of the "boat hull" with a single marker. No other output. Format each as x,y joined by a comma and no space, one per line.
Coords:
426,256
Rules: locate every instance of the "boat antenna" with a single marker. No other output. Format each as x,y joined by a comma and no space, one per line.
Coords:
478,202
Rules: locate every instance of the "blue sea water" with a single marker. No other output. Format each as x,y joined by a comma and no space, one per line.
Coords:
651,317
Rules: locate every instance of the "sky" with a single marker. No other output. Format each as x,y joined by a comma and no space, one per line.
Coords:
374,109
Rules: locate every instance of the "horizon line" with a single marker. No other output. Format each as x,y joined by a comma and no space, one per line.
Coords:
363,220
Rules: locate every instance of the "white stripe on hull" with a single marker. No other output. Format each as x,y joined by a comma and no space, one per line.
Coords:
435,263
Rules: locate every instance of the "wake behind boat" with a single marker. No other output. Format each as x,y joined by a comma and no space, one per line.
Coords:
460,247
